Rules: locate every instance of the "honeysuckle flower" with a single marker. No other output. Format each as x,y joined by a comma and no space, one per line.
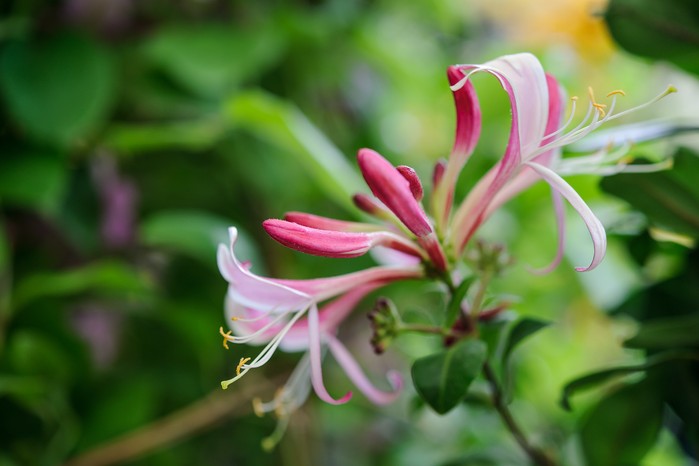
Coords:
284,314
288,315
533,153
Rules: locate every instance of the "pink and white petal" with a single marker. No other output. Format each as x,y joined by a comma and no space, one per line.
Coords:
559,211
357,376
314,353
254,291
325,288
594,226
389,257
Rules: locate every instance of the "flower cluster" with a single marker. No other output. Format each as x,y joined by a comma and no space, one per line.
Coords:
304,315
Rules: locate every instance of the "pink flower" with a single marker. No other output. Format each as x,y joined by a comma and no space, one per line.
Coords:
284,314
533,153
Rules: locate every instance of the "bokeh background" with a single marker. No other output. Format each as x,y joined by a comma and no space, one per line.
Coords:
134,132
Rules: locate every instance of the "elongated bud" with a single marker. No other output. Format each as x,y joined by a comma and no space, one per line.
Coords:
331,243
438,172
387,184
411,177
324,223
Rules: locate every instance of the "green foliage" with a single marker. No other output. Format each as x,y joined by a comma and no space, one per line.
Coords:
670,199
22,172
443,379
667,30
58,89
623,427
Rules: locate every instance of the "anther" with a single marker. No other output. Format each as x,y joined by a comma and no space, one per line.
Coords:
226,336
257,407
241,363
600,107
616,92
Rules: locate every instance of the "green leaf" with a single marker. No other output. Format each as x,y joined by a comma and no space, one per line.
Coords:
442,379
282,124
623,427
59,88
667,30
670,199
211,60
34,180
671,332
34,354
454,308
521,330
194,233
108,278
597,378
194,135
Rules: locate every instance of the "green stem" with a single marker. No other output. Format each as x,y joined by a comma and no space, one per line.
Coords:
537,456
421,328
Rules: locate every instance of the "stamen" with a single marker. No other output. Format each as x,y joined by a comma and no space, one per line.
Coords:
617,92
241,363
226,336
600,107
257,407
279,409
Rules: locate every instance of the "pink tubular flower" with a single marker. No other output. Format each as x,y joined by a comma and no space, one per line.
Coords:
284,314
533,152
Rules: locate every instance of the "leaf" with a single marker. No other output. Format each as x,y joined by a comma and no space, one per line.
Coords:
521,330
667,30
442,379
284,125
58,89
194,233
454,307
597,378
670,199
193,135
623,427
666,333
105,278
210,60
34,180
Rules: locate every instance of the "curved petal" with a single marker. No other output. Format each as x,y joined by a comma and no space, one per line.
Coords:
254,291
594,226
324,223
355,373
314,351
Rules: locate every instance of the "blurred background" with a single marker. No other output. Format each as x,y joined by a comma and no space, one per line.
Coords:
133,133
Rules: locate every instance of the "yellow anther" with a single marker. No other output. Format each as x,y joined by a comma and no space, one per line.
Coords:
257,407
226,336
574,98
616,92
600,107
241,363
234,319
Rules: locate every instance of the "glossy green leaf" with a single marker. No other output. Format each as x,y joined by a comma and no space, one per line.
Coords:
623,426
59,89
194,233
34,180
671,332
211,60
521,330
667,30
595,379
107,278
670,199
282,124
442,379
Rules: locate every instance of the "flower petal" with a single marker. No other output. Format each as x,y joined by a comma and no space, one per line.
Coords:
594,226
314,353
355,373
325,223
